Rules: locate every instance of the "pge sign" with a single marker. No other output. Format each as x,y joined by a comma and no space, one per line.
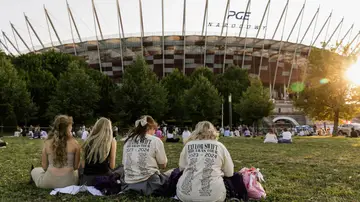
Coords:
239,15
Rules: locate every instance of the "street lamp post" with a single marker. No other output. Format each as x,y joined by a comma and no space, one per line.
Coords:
230,111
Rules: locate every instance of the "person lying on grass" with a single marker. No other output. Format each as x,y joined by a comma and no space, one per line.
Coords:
143,154
99,152
60,157
204,162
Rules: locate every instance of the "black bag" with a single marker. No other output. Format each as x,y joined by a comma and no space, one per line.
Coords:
172,182
235,187
111,184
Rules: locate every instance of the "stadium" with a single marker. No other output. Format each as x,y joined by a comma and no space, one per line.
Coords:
271,39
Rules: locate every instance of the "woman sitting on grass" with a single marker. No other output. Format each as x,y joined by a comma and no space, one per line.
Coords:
100,152
60,157
286,137
143,154
271,137
204,162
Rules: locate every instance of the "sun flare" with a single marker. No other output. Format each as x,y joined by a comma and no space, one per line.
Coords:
353,73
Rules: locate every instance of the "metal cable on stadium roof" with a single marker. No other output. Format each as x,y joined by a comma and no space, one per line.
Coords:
48,27
184,37
297,40
281,44
205,15
71,16
246,32
207,20
226,35
82,21
267,9
343,38
243,20
120,27
97,39
337,27
72,34
322,28
310,46
6,48
225,15
15,30
11,43
327,32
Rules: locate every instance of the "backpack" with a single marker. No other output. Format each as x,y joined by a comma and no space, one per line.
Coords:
252,178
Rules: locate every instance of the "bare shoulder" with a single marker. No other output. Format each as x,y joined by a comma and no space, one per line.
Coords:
74,143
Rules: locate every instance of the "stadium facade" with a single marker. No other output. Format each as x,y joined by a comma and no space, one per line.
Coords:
275,49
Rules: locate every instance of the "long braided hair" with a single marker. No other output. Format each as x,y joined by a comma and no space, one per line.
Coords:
58,137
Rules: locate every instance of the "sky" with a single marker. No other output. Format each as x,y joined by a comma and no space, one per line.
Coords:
13,10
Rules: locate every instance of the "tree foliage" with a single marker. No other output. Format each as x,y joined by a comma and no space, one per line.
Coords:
140,93
107,88
203,101
205,72
254,103
176,83
328,94
15,101
76,94
40,82
234,81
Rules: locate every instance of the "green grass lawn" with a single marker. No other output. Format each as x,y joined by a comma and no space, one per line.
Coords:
311,169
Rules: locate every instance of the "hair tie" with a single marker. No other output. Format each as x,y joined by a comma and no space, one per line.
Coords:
142,121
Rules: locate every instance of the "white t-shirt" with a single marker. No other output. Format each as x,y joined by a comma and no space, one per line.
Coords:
84,135
286,135
141,158
170,135
204,162
185,135
237,133
302,133
270,138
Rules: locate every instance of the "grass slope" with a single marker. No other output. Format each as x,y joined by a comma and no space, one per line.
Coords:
311,169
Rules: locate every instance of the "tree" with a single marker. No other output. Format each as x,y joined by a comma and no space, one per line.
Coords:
105,105
15,101
176,83
234,81
41,73
254,103
40,82
328,95
76,94
203,101
203,71
140,93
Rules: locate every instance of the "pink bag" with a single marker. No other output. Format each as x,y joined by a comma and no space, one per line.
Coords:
252,178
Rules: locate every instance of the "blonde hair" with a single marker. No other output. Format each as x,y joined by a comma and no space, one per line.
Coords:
58,135
204,130
97,146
